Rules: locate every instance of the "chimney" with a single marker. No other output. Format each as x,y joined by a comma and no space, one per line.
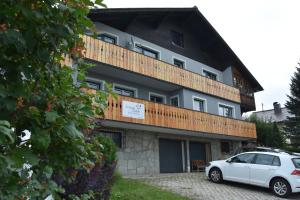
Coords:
277,108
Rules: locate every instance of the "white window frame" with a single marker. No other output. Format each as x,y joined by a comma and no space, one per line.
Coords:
184,62
148,47
159,95
233,109
217,76
126,87
201,99
95,80
173,97
110,34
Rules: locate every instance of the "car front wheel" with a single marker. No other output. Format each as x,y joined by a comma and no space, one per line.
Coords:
281,188
215,175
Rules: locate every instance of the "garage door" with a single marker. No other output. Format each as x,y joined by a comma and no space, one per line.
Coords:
170,156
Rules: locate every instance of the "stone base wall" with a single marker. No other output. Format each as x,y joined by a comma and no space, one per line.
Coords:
140,154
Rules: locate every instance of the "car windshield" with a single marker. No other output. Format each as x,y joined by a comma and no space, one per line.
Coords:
296,162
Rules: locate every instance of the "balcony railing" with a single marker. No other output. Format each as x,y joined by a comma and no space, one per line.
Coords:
120,57
166,116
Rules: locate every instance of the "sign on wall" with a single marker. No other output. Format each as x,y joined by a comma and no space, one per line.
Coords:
133,110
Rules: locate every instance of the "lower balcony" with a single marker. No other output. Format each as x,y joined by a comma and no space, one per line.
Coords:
142,112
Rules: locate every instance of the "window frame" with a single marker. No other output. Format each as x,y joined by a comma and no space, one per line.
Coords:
158,95
173,97
210,72
147,48
180,60
125,87
173,33
228,106
122,144
109,35
201,99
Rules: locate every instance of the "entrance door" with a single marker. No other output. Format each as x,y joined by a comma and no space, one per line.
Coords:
170,156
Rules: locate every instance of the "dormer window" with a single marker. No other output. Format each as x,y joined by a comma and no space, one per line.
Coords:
107,38
177,38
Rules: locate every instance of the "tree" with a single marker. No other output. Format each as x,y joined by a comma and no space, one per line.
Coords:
268,133
293,105
37,96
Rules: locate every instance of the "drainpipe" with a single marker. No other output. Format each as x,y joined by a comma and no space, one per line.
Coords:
188,167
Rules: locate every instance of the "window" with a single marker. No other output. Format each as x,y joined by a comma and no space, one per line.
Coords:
177,38
115,136
225,111
146,51
174,101
124,91
210,75
157,98
107,38
199,104
93,85
296,162
225,147
243,158
264,159
178,63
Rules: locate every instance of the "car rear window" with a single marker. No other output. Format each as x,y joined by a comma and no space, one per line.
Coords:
296,162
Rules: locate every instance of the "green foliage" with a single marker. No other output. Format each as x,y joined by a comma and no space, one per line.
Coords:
293,105
109,149
37,94
268,133
126,189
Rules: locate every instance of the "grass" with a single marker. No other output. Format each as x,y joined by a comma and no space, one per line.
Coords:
128,189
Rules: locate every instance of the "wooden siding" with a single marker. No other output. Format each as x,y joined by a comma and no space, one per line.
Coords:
162,115
116,56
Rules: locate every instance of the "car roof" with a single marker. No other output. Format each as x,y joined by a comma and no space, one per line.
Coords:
286,154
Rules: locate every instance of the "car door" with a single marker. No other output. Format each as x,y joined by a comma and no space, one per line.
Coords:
262,169
238,168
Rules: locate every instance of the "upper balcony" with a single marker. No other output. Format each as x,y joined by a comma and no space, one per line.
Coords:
165,116
132,61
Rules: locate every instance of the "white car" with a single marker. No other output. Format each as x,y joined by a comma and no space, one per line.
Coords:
278,171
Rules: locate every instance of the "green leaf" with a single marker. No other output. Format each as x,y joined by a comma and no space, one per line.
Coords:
40,139
72,131
6,131
51,116
48,171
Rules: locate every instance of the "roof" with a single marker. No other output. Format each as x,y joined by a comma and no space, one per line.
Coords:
121,17
269,115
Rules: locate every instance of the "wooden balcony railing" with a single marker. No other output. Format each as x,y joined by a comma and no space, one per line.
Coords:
179,118
120,57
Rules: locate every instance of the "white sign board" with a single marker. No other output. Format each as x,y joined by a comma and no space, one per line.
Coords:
133,110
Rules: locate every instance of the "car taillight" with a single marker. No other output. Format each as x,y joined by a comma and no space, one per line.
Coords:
296,172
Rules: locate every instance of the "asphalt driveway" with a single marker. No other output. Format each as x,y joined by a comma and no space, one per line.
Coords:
197,186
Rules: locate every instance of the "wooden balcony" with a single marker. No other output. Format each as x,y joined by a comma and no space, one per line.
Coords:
166,116
247,103
120,57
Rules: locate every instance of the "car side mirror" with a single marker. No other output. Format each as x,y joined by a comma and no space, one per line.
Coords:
229,160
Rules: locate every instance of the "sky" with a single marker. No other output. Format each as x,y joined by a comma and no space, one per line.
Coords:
265,35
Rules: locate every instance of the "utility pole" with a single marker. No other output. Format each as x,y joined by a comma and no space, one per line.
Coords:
262,106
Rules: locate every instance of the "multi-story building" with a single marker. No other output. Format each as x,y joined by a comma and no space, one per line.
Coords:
182,90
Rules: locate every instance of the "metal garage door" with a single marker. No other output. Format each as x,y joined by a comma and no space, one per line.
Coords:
170,156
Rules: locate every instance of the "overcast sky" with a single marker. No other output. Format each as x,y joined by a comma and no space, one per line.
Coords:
265,35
